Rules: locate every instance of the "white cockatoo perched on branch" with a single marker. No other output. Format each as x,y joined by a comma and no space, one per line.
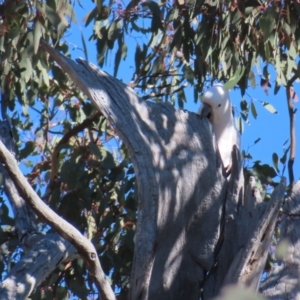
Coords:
216,106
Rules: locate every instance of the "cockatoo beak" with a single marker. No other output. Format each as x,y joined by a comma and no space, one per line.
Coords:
205,111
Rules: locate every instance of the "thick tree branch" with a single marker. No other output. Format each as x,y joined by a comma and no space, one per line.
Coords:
44,257
25,221
83,245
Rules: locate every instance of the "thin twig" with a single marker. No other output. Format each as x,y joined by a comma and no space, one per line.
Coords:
73,132
55,154
292,129
146,97
149,58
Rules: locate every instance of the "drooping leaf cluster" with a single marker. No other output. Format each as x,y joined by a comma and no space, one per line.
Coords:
192,42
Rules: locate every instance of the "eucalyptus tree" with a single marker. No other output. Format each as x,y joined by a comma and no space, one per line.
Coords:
130,199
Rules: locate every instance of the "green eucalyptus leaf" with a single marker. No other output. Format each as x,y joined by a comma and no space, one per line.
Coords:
50,13
268,21
269,107
181,98
25,67
275,160
62,293
253,110
37,34
188,73
84,46
239,124
108,161
90,16
244,106
113,33
252,79
27,150
284,157
257,140
235,78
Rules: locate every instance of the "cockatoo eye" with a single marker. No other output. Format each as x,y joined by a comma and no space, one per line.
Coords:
219,105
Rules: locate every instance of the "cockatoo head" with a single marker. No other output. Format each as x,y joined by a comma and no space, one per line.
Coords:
216,105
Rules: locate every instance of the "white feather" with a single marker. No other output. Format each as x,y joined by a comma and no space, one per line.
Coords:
221,119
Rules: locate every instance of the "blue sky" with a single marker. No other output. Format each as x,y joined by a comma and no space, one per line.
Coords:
273,129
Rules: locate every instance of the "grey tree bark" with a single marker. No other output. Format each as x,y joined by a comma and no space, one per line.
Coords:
196,231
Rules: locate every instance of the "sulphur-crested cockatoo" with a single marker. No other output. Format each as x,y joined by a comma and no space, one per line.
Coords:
216,106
